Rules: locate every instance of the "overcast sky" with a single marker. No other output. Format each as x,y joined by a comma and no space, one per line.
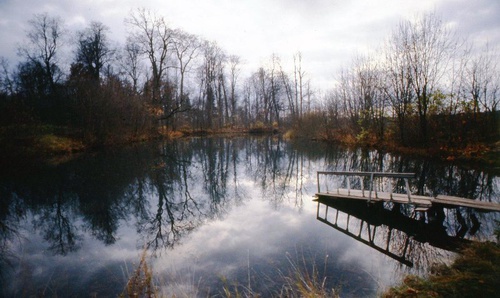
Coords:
328,33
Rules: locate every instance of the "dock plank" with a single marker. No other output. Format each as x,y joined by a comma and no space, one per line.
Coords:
423,202
451,200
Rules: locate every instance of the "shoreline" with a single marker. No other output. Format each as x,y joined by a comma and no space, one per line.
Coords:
46,143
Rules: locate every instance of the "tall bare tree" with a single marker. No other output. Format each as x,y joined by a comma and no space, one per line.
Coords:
397,85
154,36
212,83
234,72
186,47
299,75
44,36
94,49
6,81
428,47
131,63
483,82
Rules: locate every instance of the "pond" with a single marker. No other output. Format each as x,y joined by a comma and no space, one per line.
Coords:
214,213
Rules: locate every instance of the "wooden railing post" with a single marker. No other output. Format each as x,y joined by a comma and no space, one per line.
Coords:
361,175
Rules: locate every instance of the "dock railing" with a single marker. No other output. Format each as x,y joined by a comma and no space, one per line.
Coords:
372,175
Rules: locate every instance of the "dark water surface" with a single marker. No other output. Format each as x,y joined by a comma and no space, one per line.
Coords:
215,212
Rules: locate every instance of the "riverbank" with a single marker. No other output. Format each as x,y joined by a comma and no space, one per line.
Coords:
51,144
480,154
55,144
46,142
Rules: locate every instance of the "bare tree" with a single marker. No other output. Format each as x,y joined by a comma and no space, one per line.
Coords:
94,49
483,82
289,91
275,104
212,79
152,33
398,83
428,48
234,71
44,41
260,84
6,82
131,63
186,47
299,75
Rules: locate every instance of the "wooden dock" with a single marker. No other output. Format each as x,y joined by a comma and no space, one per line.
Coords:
372,193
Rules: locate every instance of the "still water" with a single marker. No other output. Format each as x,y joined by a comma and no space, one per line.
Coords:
222,212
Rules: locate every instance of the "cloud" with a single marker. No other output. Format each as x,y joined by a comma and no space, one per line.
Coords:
327,32
476,20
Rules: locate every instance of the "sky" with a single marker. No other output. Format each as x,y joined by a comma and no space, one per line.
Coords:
328,33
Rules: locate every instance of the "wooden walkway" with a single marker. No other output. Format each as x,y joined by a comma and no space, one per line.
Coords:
371,194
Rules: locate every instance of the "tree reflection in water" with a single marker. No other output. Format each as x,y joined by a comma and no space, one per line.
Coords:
167,190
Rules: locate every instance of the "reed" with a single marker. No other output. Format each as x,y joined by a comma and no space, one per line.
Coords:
140,283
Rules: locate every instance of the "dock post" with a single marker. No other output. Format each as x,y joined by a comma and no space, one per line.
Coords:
390,189
362,186
348,186
408,189
317,211
317,181
371,188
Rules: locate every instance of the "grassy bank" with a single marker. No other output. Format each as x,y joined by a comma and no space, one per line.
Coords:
475,273
32,141
55,144
38,141
482,154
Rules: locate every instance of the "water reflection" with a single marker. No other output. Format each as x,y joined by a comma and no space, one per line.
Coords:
407,239
157,195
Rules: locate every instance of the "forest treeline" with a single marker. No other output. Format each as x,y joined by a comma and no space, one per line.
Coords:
423,88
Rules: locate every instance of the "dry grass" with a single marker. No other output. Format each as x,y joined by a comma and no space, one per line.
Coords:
305,280
301,280
289,134
140,284
53,144
475,273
